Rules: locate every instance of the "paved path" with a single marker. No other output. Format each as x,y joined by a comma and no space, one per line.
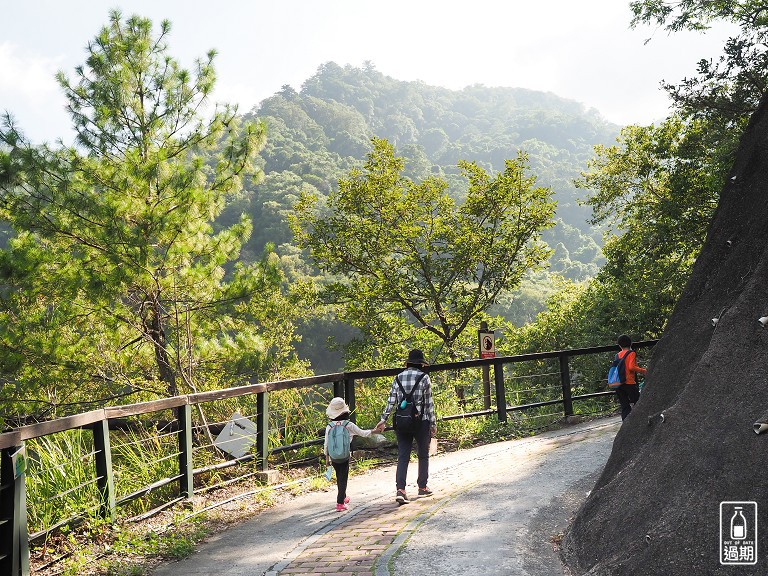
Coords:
496,510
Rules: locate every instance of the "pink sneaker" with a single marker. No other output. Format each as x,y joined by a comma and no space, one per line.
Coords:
346,500
341,507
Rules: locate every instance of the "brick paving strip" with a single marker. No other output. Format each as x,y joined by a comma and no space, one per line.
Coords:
360,542
364,540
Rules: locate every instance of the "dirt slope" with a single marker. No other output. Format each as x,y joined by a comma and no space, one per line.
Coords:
655,508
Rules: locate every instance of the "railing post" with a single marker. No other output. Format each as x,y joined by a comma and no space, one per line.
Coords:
349,396
486,368
14,544
565,380
486,386
338,388
21,514
501,395
262,423
186,466
104,477
9,536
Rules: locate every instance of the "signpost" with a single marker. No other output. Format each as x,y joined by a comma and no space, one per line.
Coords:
487,345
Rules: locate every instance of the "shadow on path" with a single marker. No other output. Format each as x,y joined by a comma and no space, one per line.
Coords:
497,510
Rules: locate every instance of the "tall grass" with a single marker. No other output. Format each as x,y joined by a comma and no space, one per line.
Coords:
60,479
141,456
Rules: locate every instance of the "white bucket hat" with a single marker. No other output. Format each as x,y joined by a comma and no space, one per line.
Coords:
336,408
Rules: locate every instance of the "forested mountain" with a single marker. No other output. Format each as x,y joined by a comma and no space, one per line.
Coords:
318,134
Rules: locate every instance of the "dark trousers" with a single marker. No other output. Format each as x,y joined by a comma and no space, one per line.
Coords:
342,475
627,394
404,446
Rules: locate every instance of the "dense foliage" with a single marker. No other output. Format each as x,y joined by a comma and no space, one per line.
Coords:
657,189
407,254
317,135
114,279
730,88
156,254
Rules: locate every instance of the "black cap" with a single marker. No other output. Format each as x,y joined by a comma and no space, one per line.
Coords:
416,357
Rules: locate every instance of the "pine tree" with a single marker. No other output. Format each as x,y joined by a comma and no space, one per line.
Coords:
116,274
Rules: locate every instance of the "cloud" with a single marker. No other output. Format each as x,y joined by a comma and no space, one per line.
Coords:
26,78
28,89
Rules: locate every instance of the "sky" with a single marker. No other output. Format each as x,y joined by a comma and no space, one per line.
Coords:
582,50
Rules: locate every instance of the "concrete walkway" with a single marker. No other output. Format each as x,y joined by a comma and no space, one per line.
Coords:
497,510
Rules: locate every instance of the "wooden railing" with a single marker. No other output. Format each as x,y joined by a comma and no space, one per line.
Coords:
14,530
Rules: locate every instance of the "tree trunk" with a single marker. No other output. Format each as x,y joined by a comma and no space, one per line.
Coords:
157,334
459,388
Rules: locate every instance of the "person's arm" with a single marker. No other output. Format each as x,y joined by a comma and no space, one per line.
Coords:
391,401
633,366
429,404
355,430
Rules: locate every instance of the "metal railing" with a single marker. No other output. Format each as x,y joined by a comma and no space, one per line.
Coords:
104,452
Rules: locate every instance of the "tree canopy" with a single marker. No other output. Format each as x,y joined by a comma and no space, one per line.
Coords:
115,278
406,250
730,88
655,192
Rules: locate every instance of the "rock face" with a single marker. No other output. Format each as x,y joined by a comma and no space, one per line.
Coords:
655,510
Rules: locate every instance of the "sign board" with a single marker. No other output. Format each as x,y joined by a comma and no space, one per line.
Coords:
238,436
19,462
487,344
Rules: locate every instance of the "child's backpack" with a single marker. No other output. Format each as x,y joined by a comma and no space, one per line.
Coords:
617,374
407,417
338,441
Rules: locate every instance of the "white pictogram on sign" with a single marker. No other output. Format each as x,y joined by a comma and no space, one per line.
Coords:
738,533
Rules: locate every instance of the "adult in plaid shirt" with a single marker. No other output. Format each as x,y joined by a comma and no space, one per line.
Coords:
426,429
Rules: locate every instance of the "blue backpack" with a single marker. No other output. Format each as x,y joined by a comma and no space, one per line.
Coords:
338,441
617,374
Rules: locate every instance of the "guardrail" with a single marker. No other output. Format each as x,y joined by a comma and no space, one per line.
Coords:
178,441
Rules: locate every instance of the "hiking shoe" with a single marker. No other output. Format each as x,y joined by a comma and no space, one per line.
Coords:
341,507
346,500
425,491
401,497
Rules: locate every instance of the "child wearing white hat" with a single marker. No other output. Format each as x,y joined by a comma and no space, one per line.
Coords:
338,437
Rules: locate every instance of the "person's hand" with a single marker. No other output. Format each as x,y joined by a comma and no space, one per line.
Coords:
433,430
380,427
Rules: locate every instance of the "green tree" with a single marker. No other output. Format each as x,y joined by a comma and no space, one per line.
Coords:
116,276
409,257
655,192
676,15
731,87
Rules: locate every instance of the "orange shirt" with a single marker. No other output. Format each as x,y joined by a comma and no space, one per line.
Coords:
630,367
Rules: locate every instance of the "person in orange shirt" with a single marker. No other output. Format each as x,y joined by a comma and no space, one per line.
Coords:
629,392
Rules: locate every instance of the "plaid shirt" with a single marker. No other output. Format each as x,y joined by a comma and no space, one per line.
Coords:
422,397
